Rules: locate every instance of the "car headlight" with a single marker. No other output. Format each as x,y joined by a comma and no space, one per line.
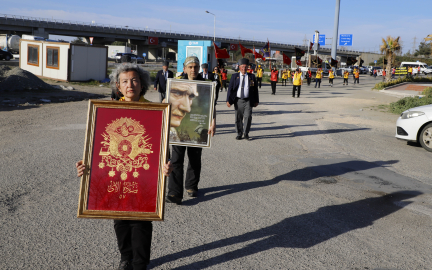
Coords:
411,114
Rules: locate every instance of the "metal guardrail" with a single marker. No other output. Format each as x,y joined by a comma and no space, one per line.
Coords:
151,31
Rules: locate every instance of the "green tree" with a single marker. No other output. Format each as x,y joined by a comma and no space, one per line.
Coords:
390,47
423,49
79,40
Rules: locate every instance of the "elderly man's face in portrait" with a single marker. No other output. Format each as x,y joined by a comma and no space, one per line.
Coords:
181,98
129,85
192,70
242,69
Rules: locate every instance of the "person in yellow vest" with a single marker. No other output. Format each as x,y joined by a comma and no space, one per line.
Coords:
410,70
260,73
331,77
345,76
284,76
297,82
318,78
289,75
356,76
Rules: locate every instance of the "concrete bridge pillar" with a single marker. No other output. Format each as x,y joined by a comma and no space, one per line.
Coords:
40,32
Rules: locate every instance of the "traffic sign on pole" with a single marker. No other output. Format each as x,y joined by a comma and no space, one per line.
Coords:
321,40
345,40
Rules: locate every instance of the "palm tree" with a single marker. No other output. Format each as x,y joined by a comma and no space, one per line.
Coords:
390,47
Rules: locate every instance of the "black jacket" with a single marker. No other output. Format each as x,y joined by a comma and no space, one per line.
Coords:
235,84
160,80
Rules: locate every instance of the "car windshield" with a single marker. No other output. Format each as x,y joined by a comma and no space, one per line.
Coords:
426,66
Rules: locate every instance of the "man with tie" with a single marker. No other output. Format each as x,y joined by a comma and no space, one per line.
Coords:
243,93
161,80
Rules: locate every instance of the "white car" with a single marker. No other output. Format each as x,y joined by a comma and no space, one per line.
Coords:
415,125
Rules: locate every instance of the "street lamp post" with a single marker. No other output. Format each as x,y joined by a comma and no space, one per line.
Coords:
214,29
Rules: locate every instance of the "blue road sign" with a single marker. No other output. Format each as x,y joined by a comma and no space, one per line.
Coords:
144,54
345,40
375,61
321,40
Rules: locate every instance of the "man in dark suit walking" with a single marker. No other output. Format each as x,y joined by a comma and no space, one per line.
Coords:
161,80
243,93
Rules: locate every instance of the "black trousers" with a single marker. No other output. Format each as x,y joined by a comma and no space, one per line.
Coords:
259,80
346,81
224,84
308,81
318,82
217,92
243,116
273,86
356,80
331,81
134,241
161,96
175,180
298,88
284,81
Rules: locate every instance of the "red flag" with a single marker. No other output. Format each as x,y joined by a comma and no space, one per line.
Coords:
153,40
286,59
258,55
244,50
220,53
298,62
310,46
233,47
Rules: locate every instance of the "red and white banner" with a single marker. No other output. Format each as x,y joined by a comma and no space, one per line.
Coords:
233,47
153,40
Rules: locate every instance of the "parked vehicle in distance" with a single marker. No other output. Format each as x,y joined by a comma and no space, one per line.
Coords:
134,58
4,55
364,70
372,70
415,125
424,68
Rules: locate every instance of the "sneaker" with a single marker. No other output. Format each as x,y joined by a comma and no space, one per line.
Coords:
173,199
192,193
239,137
125,265
247,138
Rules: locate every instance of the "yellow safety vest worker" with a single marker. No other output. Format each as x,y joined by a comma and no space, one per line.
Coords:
284,75
297,79
319,74
260,72
331,75
289,73
346,75
356,74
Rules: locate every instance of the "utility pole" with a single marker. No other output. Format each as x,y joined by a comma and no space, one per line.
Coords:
414,45
335,30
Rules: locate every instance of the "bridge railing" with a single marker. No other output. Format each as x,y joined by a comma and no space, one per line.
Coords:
149,31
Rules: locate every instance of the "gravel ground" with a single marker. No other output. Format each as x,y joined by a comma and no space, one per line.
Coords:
17,79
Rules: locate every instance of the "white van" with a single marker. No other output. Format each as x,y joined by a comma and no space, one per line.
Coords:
424,68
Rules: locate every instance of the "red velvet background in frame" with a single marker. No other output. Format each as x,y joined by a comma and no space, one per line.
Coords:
125,160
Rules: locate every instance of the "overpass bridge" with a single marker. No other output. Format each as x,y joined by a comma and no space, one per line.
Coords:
142,37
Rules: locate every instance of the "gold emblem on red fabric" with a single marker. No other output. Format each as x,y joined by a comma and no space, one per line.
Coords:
125,150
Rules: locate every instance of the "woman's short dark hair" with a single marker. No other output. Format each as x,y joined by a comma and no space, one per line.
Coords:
144,77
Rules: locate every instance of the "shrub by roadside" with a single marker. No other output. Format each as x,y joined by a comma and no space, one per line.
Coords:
382,85
410,102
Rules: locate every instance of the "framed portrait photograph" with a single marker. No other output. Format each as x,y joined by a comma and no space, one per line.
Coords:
192,108
125,148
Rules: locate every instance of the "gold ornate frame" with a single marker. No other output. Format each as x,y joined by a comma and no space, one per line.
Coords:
158,215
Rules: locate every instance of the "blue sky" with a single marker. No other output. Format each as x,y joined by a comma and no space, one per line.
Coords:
279,21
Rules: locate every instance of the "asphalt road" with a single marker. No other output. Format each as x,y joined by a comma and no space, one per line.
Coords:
323,185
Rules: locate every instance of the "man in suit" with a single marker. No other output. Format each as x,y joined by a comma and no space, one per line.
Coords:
243,93
161,80
205,74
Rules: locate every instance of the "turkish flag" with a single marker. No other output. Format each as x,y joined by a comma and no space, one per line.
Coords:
310,46
286,59
233,47
220,53
244,50
153,40
298,62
